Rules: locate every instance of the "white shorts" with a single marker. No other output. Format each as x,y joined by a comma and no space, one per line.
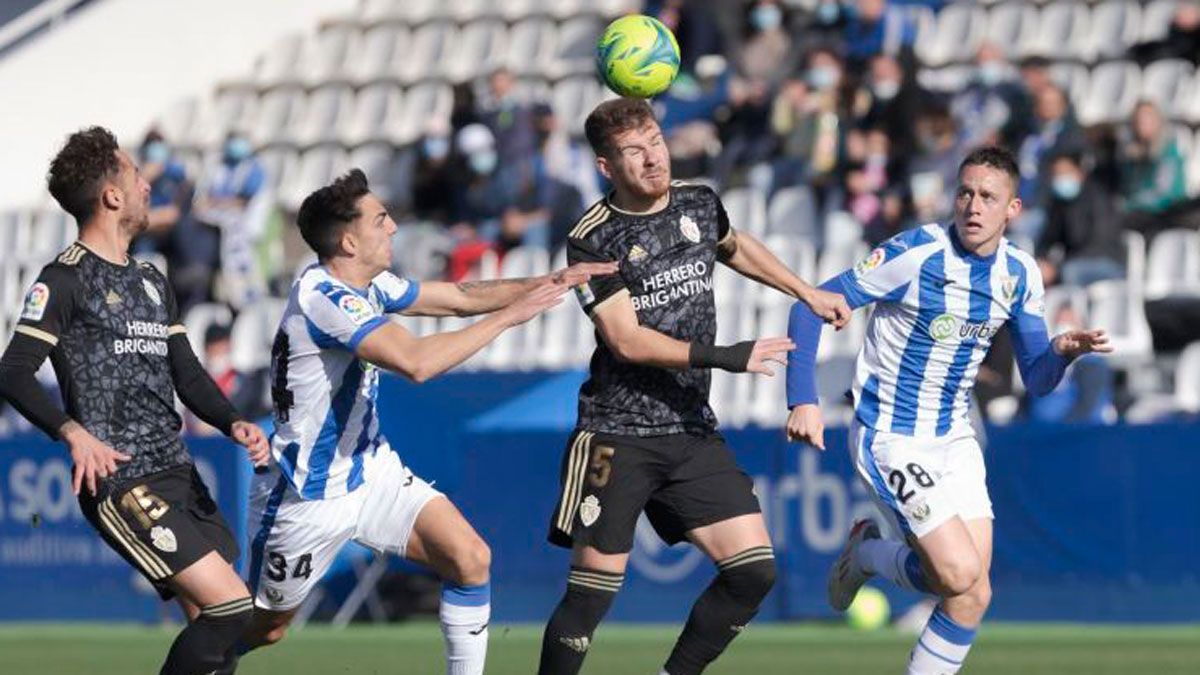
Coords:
920,483
294,541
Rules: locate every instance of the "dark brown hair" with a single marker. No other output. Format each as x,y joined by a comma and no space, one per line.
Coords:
613,117
995,157
325,213
78,172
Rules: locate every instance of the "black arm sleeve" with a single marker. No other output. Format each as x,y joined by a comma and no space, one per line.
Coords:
19,384
196,389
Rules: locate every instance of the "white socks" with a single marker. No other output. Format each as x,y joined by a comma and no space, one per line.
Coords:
942,647
464,615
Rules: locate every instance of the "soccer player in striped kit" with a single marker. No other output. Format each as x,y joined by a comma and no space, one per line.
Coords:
941,293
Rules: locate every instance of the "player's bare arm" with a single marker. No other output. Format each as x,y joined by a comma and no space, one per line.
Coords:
745,254
420,358
471,298
618,325
92,458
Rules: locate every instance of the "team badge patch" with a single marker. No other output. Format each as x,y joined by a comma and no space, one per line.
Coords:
637,253
689,228
35,302
589,510
152,292
1008,289
163,539
919,511
274,595
355,307
875,259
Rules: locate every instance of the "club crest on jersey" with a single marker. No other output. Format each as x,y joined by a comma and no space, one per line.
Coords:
152,292
355,307
163,539
274,594
875,259
689,228
1008,289
637,253
919,511
35,302
589,510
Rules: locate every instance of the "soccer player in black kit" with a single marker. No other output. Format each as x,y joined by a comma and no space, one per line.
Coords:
111,329
646,437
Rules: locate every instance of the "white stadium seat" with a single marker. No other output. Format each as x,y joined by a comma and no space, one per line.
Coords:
1156,20
325,56
479,48
376,161
837,259
1116,306
842,230
373,54
575,53
422,104
318,166
328,109
376,108
954,36
1187,379
253,332
1062,29
747,210
1010,25
281,64
1193,167
430,46
531,45
1072,78
1173,264
793,211
1167,83
280,112
411,12
1114,28
1075,297
574,98
516,348
1113,90
199,318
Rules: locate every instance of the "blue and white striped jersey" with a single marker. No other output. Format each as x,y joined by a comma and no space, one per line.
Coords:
324,395
938,308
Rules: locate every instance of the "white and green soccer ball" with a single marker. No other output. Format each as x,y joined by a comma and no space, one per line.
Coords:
637,56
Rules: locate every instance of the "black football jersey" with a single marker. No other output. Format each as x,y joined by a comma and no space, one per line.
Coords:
667,261
109,325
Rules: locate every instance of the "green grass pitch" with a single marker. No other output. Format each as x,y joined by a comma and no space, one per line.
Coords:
1002,649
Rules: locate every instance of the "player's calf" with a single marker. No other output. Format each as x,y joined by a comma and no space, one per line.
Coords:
204,645
568,635
724,609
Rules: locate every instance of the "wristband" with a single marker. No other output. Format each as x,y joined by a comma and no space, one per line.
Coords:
734,358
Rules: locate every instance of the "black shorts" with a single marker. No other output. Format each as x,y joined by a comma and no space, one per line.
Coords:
682,482
160,523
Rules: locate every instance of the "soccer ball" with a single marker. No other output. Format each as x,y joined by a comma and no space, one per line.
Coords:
637,56
869,611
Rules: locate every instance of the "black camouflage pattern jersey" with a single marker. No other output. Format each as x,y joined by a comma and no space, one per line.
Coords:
667,260
108,325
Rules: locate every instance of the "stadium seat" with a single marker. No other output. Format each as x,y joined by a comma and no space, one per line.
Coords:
1167,83
835,377
1010,25
279,114
1135,258
177,121
479,48
1173,265
531,45
747,210
431,45
573,98
793,211
1113,90
1062,31
768,401
836,259
277,162
375,108
842,230
281,65
199,318
946,80
1076,297
376,161
575,53
253,332
1156,20
466,11
953,36
329,109
325,55
1112,30
411,12
1072,78
372,55
422,104
317,167
1187,379
516,348
1116,306
230,109
9,223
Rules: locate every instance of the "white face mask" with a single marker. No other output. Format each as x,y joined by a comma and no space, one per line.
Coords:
220,364
885,90
484,162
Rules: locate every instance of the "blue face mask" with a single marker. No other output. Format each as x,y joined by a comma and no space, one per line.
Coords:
828,12
483,163
990,73
156,152
1066,188
766,17
237,149
822,77
436,147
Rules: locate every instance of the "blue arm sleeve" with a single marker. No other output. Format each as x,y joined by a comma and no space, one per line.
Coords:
1041,367
804,328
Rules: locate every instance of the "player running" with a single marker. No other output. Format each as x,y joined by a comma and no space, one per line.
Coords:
333,476
112,332
646,437
942,293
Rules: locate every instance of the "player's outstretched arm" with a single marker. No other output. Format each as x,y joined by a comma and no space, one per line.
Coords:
749,257
631,342
471,298
420,358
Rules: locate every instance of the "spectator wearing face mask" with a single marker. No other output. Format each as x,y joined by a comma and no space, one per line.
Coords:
875,27
1085,394
695,28
891,100
170,192
992,108
433,181
933,171
809,119
1056,131
481,194
1081,242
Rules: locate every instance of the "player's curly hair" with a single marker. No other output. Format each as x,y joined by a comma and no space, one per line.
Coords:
326,212
613,117
78,172
996,157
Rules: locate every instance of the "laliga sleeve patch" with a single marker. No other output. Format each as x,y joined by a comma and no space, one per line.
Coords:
875,259
585,295
356,308
35,302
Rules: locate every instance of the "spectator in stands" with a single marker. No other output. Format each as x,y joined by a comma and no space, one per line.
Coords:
510,120
1035,75
895,216
170,192
877,28
686,114
694,26
808,118
562,158
482,193
1153,173
866,173
933,172
1081,242
989,110
1056,133
824,26
432,189
766,44
229,205
244,391
1182,40
1085,394
891,100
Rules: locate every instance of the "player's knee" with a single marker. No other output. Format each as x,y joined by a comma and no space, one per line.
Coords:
750,581
980,595
472,564
958,574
